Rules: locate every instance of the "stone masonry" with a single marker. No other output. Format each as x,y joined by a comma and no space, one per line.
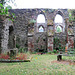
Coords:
24,30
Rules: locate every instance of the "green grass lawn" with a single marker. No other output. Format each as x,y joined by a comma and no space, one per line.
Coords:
40,65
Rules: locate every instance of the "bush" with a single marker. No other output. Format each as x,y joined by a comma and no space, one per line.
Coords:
17,46
50,52
34,52
21,56
54,51
4,56
12,54
22,50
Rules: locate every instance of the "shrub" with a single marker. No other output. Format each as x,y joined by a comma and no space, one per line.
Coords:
22,50
50,52
34,52
4,56
54,51
17,46
21,56
12,54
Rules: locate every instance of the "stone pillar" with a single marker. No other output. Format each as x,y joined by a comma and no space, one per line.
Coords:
5,36
31,43
66,24
1,26
50,44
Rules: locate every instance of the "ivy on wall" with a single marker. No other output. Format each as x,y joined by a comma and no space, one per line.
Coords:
71,15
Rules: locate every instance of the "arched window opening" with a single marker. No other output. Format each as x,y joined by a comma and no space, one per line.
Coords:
41,29
58,19
59,29
59,24
41,18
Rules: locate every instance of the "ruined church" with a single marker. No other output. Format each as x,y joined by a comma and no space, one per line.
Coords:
37,30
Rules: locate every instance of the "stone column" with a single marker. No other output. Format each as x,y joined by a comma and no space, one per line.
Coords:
5,36
50,44
67,24
1,27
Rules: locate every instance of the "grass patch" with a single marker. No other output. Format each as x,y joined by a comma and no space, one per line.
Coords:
71,58
40,65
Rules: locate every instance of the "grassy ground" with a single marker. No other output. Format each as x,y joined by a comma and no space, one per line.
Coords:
40,65
71,58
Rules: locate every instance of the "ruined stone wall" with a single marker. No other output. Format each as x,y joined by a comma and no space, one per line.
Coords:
74,26
25,29
20,26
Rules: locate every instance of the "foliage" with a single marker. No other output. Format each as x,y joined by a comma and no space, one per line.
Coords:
17,46
54,51
71,15
21,56
34,52
32,21
9,7
4,10
12,55
3,2
56,40
50,52
59,29
4,56
58,44
22,50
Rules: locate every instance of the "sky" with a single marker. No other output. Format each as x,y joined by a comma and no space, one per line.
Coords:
54,4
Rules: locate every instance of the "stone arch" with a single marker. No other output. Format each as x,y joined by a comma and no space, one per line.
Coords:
40,12
40,18
62,24
60,12
41,23
43,29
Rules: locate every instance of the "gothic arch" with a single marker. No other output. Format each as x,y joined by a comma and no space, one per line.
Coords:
41,23
60,12
40,18
42,29
62,23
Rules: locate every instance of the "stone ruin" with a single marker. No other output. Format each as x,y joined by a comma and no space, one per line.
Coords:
26,32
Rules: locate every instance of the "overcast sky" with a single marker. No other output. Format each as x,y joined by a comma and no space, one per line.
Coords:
55,4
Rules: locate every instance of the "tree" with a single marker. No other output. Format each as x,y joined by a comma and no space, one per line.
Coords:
71,15
9,7
3,2
4,11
